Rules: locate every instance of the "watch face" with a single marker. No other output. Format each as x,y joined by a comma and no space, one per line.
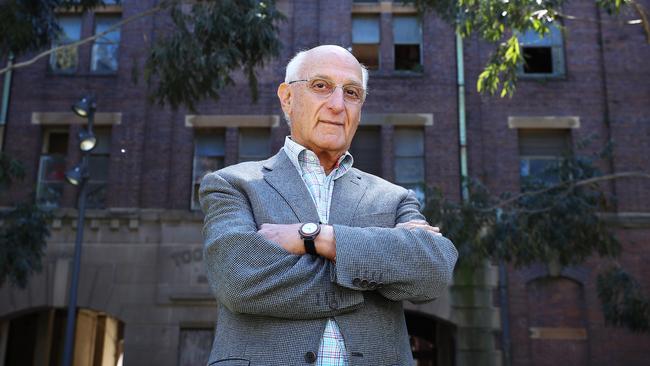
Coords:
309,228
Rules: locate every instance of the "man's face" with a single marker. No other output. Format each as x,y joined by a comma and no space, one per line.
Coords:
323,123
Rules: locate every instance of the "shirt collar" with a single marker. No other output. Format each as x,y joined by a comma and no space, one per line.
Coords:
300,155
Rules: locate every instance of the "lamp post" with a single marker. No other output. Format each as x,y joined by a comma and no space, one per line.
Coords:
78,176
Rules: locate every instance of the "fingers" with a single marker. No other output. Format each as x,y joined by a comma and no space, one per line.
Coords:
419,224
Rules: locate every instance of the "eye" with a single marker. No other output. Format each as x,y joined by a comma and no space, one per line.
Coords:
320,85
352,92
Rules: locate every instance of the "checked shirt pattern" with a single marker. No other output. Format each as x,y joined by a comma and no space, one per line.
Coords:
331,351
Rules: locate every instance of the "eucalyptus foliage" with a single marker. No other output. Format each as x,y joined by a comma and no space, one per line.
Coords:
192,57
554,219
498,22
23,232
207,44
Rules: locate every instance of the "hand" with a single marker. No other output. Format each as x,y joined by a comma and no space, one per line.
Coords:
285,235
419,224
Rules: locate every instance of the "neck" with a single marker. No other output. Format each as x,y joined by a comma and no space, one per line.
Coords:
328,159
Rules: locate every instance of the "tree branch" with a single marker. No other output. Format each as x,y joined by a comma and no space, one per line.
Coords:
571,184
644,19
130,19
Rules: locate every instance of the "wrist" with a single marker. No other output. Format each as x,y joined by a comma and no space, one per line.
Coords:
326,243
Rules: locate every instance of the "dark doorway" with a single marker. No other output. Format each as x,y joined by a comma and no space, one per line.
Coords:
432,340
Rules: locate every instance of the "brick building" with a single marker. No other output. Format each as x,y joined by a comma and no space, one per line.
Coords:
143,293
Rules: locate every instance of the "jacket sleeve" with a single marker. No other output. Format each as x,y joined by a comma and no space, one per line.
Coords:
401,264
250,274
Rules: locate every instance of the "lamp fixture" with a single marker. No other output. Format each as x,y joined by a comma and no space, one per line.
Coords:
85,106
74,175
87,140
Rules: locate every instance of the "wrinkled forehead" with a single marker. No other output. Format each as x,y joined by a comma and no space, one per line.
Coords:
337,66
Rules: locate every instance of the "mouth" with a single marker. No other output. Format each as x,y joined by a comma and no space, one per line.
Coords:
331,122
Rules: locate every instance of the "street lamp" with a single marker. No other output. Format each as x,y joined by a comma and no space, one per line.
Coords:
78,176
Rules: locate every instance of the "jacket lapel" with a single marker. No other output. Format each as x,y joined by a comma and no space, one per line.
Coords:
283,176
348,192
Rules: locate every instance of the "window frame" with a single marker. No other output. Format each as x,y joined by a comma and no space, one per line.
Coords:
44,153
378,44
419,70
194,199
252,157
558,54
93,60
57,42
420,194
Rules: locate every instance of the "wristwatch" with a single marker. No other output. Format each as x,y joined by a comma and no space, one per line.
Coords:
308,232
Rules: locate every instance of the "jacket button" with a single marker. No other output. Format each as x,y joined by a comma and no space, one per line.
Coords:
334,304
364,283
310,357
372,285
380,285
356,281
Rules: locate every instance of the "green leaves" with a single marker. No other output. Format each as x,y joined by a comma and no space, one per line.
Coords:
23,231
551,220
196,58
622,300
23,236
498,22
503,64
555,219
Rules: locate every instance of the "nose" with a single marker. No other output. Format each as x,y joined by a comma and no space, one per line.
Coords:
336,102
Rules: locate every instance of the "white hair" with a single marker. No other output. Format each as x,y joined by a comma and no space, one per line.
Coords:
295,66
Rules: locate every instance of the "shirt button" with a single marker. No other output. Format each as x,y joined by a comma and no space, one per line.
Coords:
334,304
310,357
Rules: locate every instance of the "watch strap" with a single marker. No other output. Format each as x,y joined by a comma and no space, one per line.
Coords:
310,246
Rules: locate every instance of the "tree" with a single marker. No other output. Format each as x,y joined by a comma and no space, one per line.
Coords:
23,232
555,221
499,22
190,60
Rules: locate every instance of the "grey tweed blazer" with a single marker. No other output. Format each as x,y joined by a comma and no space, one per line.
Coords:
273,306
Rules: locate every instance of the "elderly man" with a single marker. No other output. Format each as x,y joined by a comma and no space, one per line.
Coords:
309,258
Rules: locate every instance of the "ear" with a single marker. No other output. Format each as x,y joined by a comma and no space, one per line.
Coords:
284,94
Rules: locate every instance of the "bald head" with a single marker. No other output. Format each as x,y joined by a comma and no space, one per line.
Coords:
304,59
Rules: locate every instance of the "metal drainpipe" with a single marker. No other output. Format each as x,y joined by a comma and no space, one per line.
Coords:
5,98
462,136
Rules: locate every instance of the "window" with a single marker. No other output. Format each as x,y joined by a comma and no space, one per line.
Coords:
407,36
105,48
540,149
365,40
409,159
98,169
52,167
542,56
65,60
209,153
366,149
254,144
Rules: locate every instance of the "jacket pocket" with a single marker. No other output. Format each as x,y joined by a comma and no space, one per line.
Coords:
231,362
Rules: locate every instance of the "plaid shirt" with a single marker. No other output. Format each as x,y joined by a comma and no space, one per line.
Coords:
331,351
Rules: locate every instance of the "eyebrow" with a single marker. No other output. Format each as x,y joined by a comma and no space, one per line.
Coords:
349,82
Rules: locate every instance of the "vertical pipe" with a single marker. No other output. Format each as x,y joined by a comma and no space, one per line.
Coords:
6,90
462,135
